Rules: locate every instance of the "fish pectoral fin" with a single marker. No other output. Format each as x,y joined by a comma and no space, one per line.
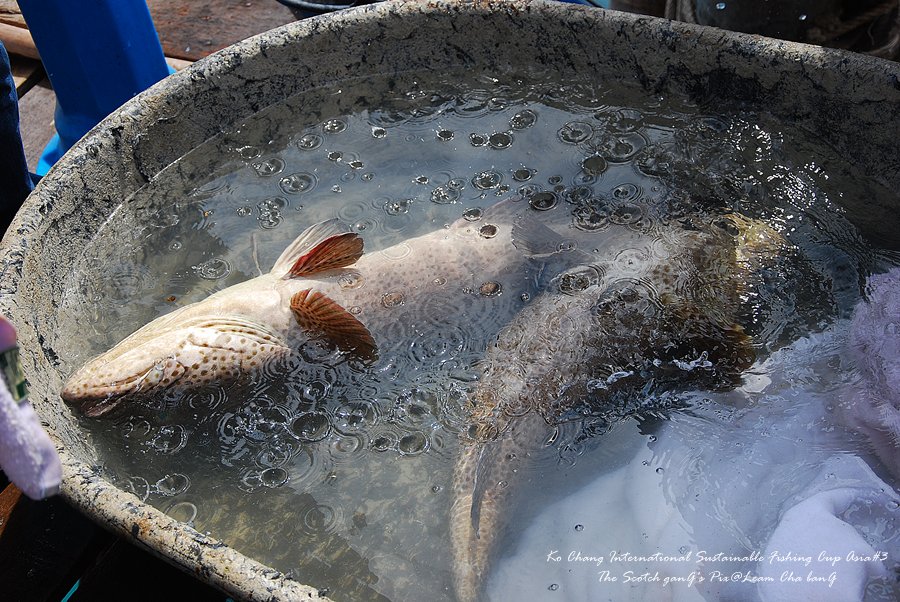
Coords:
324,246
317,313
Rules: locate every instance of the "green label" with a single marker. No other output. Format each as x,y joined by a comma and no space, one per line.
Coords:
11,369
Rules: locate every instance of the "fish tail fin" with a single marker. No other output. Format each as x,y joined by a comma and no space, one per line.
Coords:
482,487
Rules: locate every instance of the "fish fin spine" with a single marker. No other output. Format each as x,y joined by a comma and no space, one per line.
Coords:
318,313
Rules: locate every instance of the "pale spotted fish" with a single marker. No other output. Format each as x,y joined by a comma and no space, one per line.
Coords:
322,285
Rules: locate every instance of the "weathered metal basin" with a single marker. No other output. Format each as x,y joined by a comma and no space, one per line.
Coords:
851,102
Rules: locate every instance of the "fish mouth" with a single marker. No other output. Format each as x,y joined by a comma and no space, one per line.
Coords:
99,406
100,399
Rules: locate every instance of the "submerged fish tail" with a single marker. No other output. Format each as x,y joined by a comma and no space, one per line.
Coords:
483,483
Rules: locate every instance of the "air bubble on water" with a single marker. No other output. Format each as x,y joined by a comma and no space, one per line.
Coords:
397,207
528,190
309,142
488,231
412,443
477,140
273,477
500,140
579,194
443,195
553,587
543,201
170,439
420,180
456,183
473,214
525,297
184,512
367,177
444,135
579,527
213,269
378,132
594,165
335,156
269,167
244,211
487,180
436,489
720,6
392,299
311,426
249,152
298,183
334,126
350,280
660,470
269,220
355,310
138,486
175,245
336,189
523,174
575,132
523,119
627,191
382,443
321,518
172,484
274,203
803,17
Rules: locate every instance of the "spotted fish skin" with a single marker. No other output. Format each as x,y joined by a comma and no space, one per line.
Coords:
310,292
597,335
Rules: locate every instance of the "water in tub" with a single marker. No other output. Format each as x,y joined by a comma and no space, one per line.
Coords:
653,478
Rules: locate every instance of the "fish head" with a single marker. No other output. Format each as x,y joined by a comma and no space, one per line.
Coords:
172,353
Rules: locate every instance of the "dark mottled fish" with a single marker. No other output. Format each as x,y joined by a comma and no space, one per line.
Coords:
661,311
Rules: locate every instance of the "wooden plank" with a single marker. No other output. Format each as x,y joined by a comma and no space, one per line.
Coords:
9,497
26,73
36,121
192,30
18,41
10,13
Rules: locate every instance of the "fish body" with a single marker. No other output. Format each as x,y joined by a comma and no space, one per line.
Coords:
322,285
661,313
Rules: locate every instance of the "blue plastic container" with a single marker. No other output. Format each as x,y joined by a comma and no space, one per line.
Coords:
98,54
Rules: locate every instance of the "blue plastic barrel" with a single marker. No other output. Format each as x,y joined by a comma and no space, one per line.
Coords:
98,54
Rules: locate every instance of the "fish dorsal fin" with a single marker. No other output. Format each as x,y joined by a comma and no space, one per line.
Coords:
318,313
334,252
315,255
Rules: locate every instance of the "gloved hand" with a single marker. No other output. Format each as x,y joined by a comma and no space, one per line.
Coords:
27,455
